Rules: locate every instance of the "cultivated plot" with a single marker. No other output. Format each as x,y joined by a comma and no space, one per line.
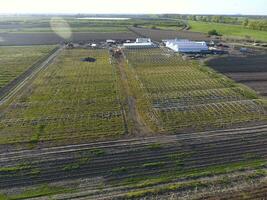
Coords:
15,60
71,99
174,94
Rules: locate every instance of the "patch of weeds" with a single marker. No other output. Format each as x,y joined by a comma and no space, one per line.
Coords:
179,156
15,168
3,197
35,138
97,152
179,164
250,156
258,174
225,181
161,190
153,165
71,166
35,172
155,146
119,170
84,160
43,190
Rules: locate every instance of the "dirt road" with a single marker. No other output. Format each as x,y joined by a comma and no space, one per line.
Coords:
139,127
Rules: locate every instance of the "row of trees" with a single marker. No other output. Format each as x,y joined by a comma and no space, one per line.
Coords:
255,24
259,24
251,23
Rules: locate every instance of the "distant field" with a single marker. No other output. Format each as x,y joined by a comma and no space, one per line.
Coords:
228,30
70,100
80,29
160,34
52,38
17,59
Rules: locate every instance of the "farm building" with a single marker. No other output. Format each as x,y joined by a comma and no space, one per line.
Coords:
140,43
186,46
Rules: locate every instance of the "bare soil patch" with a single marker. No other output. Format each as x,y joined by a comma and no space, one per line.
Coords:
159,35
250,70
52,38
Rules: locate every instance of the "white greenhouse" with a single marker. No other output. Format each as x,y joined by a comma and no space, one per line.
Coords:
186,46
140,43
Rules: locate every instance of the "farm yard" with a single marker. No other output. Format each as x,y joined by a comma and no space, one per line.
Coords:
71,99
174,95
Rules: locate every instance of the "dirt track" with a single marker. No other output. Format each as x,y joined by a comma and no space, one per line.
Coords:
139,128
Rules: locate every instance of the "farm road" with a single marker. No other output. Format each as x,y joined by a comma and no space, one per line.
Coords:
139,126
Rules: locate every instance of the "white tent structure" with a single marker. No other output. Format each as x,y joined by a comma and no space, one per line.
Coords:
140,43
186,46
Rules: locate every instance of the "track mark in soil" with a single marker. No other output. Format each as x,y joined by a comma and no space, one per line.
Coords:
139,127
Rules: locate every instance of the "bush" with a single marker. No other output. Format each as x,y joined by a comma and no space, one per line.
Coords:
213,32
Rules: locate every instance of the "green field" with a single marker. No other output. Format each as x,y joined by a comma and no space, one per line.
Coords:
228,30
17,59
71,99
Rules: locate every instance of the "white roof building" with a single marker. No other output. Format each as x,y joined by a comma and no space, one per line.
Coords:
140,43
143,40
186,46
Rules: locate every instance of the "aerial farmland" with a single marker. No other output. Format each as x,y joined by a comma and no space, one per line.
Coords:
93,113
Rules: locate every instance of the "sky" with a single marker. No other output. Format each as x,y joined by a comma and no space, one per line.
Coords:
249,7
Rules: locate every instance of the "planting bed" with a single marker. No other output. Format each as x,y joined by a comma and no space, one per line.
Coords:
70,100
162,166
176,95
249,70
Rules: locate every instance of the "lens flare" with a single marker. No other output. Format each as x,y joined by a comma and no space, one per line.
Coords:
61,27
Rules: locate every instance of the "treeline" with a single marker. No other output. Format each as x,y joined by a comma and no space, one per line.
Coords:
251,23
255,24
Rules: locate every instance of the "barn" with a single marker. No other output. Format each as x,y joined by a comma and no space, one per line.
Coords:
186,46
